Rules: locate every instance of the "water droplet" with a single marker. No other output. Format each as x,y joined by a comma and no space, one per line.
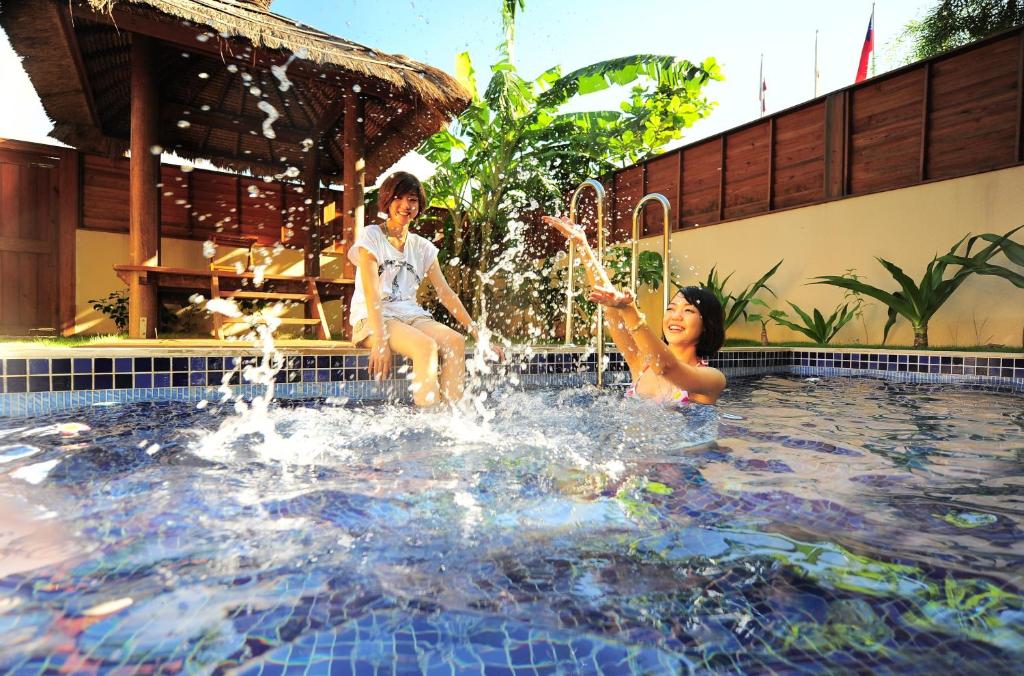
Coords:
203,37
232,68
184,124
255,91
204,76
356,88
156,150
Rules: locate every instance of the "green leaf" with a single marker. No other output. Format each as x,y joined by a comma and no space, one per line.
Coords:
464,73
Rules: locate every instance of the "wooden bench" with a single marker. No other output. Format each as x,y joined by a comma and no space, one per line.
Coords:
229,284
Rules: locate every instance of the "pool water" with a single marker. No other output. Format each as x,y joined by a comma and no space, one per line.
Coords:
835,525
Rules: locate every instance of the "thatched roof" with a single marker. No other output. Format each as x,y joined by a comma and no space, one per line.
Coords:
216,61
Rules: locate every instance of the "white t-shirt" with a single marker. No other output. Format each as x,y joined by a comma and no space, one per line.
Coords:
400,274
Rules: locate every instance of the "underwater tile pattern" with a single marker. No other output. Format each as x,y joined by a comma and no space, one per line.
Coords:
779,548
36,386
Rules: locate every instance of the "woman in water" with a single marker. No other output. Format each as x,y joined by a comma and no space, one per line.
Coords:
692,327
391,263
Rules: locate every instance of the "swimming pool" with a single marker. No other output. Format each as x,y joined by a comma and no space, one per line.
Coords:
836,523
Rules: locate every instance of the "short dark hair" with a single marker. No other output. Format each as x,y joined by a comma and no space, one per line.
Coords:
711,315
400,184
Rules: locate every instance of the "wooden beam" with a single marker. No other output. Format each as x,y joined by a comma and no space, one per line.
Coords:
71,38
354,167
233,123
311,235
771,163
144,196
69,219
1020,100
922,169
847,132
679,193
721,179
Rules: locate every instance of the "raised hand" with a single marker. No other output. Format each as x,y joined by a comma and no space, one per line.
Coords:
609,296
569,230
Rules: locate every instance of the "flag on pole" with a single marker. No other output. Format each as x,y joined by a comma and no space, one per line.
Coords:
762,87
865,51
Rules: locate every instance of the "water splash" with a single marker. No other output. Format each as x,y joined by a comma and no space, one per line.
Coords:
272,117
281,71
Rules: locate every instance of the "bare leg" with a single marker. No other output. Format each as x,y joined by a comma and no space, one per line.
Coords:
410,342
452,350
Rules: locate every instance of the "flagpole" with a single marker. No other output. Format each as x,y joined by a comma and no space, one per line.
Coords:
760,88
815,63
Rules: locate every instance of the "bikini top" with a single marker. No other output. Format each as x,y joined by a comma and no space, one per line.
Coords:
678,398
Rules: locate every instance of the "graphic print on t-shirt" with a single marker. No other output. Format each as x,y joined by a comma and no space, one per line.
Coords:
396,268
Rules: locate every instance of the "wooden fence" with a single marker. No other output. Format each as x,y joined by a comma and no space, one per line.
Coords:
953,115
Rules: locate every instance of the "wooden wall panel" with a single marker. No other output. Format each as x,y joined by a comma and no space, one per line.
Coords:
261,209
702,164
195,203
747,157
885,133
105,194
629,188
662,177
175,207
799,157
972,117
215,203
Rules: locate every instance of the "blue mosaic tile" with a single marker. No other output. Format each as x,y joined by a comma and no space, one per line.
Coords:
38,383
122,365
123,381
17,367
103,381
82,366
161,364
81,382
161,380
37,367
60,366
60,383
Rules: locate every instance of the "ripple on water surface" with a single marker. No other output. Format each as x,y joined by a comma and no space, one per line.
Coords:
833,524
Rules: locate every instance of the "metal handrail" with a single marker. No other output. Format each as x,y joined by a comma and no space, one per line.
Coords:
570,291
666,235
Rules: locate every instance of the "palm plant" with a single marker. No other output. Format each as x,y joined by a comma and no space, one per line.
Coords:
919,301
735,306
515,150
762,317
816,326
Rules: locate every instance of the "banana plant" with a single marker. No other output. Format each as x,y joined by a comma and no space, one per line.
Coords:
917,302
515,149
815,325
735,306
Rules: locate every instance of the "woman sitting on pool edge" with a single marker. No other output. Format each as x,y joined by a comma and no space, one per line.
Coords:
692,326
391,264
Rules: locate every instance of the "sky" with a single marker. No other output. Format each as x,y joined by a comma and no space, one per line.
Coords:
575,33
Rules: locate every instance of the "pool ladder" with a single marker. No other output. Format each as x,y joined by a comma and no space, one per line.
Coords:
599,191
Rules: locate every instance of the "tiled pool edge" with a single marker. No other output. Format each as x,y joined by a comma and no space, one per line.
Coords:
72,381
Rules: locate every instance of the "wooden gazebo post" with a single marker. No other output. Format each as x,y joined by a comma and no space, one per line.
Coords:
311,191
354,166
143,198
